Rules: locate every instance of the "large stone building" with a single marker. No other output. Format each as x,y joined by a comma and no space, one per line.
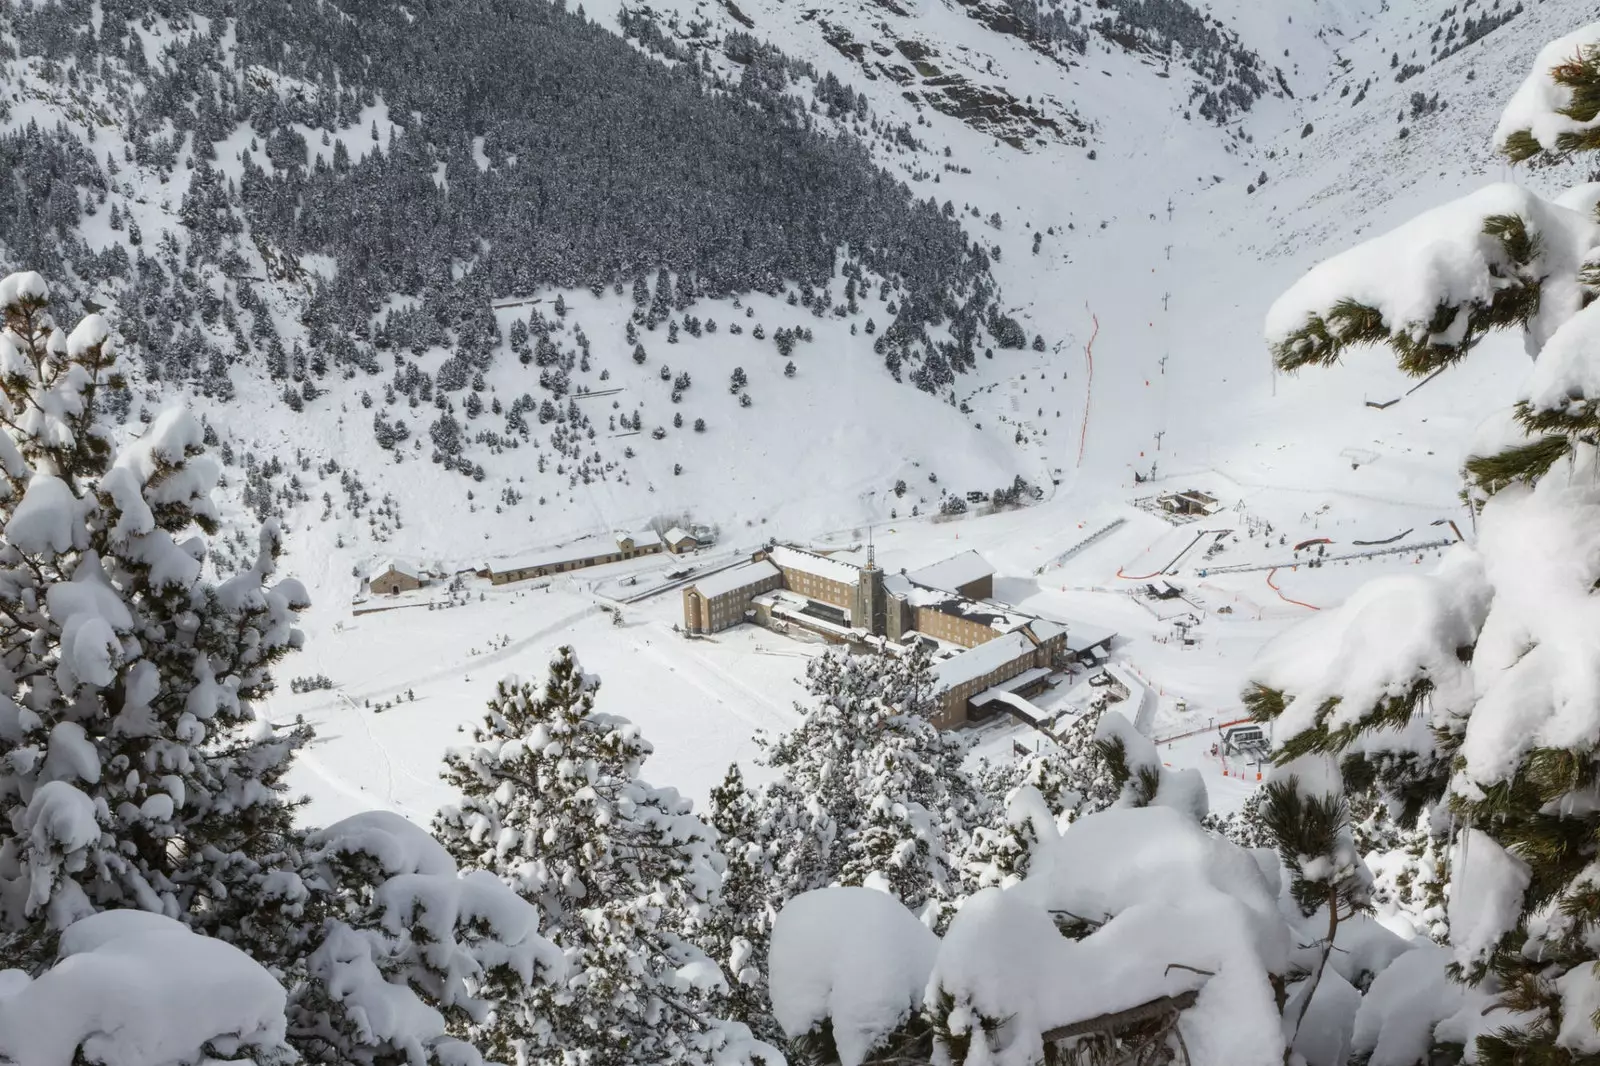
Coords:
720,600
981,647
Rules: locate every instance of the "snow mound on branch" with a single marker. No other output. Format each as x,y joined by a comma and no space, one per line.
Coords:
1537,104
1374,645
166,464
1443,257
1397,1020
1485,896
440,905
1582,198
23,285
47,517
1568,368
1183,790
1537,661
395,844
137,989
852,955
93,329
1167,893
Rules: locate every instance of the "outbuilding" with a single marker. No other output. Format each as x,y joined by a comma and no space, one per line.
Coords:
395,577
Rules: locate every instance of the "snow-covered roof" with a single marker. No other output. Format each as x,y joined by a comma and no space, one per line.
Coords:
398,566
1045,628
586,548
953,572
983,659
811,563
676,533
725,581
643,539
998,616
1081,637
1010,685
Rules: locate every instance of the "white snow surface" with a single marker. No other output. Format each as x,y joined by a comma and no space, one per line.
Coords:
1395,1024
854,955
130,988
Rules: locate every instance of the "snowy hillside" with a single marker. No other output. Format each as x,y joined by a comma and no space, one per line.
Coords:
1136,238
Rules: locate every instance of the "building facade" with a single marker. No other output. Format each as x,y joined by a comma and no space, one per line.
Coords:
721,600
579,556
394,578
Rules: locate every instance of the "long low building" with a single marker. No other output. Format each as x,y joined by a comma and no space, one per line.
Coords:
579,555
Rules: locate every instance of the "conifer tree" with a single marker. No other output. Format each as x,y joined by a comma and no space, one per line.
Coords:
1466,697
134,771
738,932
870,790
624,873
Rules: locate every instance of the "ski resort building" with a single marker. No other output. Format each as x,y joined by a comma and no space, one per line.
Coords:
395,577
982,648
593,551
720,600
680,540
1188,502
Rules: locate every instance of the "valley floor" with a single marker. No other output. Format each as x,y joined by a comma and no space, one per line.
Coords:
410,681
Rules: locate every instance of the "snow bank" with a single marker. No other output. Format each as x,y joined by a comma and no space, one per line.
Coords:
1443,257
131,988
852,955
1537,104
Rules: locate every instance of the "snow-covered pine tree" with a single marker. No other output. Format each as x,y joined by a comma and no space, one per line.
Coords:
870,790
624,873
1067,779
737,932
417,956
1467,696
134,772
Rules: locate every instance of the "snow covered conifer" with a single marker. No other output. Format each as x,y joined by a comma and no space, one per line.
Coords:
417,958
1468,695
133,770
871,791
624,873
737,933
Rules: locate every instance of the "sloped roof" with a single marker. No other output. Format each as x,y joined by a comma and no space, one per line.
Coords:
983,659
676,533
642,539
724,581
812,563
949,574
397,566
